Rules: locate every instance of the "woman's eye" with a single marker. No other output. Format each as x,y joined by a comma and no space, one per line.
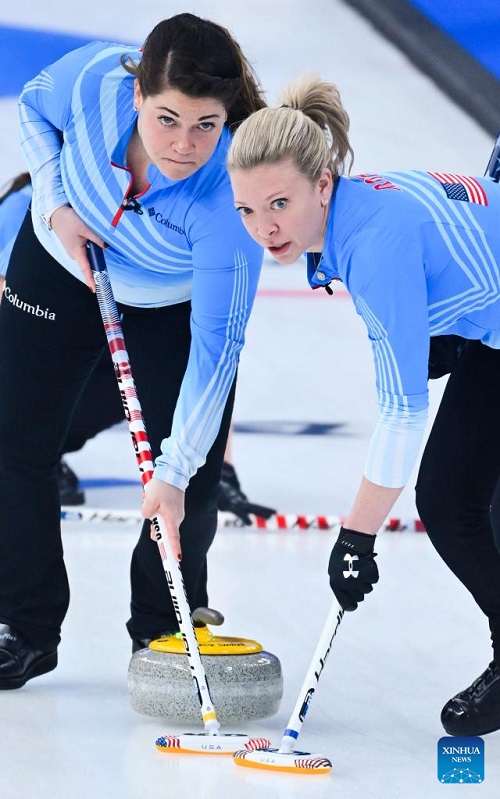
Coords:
207,125
166,120
244,211
279,204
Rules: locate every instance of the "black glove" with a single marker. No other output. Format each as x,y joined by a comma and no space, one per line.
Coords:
232,498
352,567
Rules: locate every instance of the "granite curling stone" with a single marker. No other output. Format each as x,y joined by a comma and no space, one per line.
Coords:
245,681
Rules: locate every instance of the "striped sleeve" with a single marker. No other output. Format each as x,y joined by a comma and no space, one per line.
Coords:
390,295
226,271
44,113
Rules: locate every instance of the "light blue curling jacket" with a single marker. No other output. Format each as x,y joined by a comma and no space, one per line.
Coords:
189,243
419,253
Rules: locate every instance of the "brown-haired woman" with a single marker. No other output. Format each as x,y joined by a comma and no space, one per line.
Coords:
126,147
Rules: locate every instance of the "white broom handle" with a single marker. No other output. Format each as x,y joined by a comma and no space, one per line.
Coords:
311,679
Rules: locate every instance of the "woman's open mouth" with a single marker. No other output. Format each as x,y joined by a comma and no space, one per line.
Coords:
279,250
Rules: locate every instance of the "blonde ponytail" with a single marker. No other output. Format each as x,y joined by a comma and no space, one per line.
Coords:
310,127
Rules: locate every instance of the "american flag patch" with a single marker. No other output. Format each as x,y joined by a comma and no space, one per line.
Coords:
460,187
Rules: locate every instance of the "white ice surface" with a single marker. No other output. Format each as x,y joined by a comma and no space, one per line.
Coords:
418,639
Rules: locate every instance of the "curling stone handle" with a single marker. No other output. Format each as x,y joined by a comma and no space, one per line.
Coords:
207,616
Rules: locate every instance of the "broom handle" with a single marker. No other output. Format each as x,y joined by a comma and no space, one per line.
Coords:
142,449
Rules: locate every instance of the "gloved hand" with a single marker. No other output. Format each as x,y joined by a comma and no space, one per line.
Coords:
232,498
352,567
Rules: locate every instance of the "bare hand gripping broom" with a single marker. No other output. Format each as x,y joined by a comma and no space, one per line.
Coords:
210,741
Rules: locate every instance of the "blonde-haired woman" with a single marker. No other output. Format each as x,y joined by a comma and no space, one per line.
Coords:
419,252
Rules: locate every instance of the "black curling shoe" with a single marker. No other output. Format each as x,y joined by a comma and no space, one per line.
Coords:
19,662
70,492
476,710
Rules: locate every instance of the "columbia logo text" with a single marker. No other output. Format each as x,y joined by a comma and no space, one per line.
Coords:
153,214
35,310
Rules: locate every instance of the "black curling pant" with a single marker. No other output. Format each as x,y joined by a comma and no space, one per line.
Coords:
99,407
51,340
458,491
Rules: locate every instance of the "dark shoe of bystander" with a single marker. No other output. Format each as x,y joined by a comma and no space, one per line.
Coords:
19,661
231,498
70,492
476,710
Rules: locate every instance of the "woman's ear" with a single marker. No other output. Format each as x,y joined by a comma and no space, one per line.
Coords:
137,95
325,185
